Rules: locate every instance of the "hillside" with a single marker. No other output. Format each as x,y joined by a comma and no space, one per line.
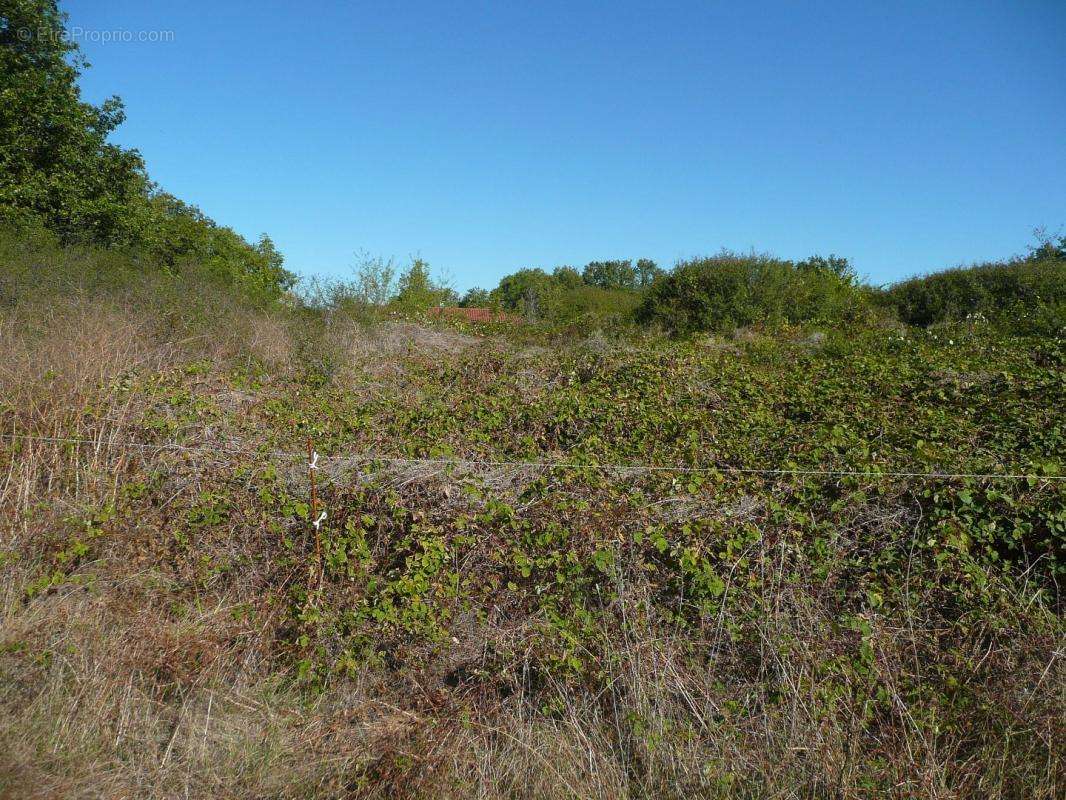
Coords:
783,562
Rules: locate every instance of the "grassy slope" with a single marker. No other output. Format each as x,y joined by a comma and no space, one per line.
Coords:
516,631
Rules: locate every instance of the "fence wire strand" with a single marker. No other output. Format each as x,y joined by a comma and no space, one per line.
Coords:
371,457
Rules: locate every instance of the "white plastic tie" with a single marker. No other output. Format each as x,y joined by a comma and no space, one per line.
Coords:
321,518
313,463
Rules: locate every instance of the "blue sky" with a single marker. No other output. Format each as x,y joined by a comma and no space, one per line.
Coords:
493,136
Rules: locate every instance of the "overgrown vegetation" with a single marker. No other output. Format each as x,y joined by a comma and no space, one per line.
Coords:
1026,294
730,290
603,295
835,605
748,528
720,293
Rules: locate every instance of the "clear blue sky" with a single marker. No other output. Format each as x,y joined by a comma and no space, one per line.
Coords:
493,136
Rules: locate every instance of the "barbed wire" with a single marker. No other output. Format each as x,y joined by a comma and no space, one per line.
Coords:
372,457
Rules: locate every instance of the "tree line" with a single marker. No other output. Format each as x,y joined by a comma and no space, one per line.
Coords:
60,177
60,174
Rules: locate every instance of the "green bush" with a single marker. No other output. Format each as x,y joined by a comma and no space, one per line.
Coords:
36,266
1027,295
592,306
730,290
562,298
178,234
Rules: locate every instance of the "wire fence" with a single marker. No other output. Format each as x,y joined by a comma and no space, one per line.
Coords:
368,457
314,461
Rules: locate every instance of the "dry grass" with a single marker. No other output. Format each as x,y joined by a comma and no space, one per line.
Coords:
120,699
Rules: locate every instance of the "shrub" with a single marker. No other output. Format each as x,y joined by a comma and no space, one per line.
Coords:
35,267
729,290
178,234
1027,295
592,306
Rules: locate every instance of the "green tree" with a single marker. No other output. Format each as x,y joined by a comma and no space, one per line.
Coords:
176,234
56,165
616,274
837,266
418,291
568,277
647,272
476,298
530,292
58,171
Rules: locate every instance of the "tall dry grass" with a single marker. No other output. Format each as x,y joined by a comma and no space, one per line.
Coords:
127,701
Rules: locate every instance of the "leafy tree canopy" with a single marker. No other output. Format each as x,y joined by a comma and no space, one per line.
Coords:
610,274
568,277
56,165
530,292
647,272
58,170
476,298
